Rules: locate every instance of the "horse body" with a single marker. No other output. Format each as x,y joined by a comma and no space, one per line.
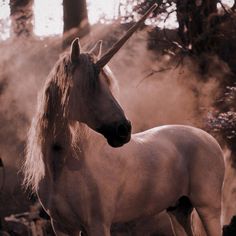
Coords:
86,179
166,162
144,177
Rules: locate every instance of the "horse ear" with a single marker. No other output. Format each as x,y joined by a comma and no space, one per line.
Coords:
97,49
75,50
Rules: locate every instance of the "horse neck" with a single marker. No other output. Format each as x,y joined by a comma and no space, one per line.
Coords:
72,136
53,121
60,131
56,136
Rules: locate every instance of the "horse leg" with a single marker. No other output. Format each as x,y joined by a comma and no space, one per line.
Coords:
176,227
180,215
57,229
210,218
208,206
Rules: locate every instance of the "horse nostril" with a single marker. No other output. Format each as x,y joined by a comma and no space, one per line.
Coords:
123,130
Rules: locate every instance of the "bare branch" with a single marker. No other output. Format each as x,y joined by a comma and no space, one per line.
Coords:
152,73
223,7
174,43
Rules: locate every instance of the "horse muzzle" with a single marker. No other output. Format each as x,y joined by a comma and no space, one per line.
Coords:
117,134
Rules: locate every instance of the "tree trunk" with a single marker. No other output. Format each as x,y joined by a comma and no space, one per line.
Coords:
75,17
194,18
21,17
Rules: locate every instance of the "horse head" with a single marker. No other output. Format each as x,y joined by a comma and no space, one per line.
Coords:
91,99
97,106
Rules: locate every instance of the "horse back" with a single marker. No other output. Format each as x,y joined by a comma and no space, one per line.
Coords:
187,155
192,153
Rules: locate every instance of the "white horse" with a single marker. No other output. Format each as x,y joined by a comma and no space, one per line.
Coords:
85,184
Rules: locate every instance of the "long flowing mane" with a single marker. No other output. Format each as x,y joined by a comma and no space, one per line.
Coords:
52,105
51,118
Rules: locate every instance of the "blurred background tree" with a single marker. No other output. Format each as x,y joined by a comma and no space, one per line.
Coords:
75,17
206,29
21,17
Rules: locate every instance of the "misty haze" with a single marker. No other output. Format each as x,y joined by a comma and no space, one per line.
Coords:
176,69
